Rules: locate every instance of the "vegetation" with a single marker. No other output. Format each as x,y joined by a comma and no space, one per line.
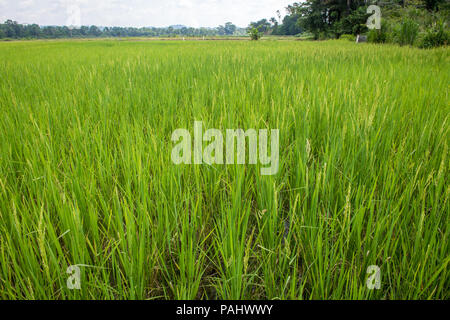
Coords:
415,26
404,22
407,32
254,34
13,30
423,23
86,177
436,36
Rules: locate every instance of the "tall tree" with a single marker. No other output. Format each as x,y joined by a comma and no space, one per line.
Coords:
229,28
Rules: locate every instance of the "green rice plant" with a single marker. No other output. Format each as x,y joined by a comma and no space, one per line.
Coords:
86,177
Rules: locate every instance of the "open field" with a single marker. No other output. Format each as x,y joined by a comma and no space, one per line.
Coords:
86,176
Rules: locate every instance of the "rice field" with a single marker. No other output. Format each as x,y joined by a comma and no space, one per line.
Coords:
87,180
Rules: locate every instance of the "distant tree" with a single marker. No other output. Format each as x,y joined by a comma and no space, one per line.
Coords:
290,25
254,33
330,16
34,31
262,25
84,31
230,28
279,15
94,31
10,29
354,23
221,30
275,27
312,15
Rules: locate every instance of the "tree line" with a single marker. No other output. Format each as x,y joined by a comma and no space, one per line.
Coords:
14,30
413,20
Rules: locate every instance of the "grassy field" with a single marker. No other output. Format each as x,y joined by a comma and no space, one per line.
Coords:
86,176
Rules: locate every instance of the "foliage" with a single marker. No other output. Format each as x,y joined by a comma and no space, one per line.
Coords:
379,36
402,22
436,36
290,25
14,30
254,33
406,32
263,26
349,37
354,23
313,17
228,29
433,4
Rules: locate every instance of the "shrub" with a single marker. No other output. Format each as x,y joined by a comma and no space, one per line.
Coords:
322,36
349,37
254,34
407,32
435,37
307,36
325,35
378,36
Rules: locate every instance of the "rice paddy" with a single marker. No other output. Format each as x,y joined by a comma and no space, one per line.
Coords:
87,180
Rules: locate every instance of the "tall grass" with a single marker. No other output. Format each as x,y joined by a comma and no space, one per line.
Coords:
406,32
86,176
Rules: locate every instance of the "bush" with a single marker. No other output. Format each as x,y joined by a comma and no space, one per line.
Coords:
378,36
349,37
307,36
324,35
437,36
407,32
254,34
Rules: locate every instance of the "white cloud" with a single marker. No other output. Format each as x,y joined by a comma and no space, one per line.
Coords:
208,13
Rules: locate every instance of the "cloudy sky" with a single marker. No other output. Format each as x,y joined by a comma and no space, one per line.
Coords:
195,13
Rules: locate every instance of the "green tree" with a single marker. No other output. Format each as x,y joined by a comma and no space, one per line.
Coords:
34,31
94,31
291,25
254,34
313,16
354,23
330,16
262,25
229,28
